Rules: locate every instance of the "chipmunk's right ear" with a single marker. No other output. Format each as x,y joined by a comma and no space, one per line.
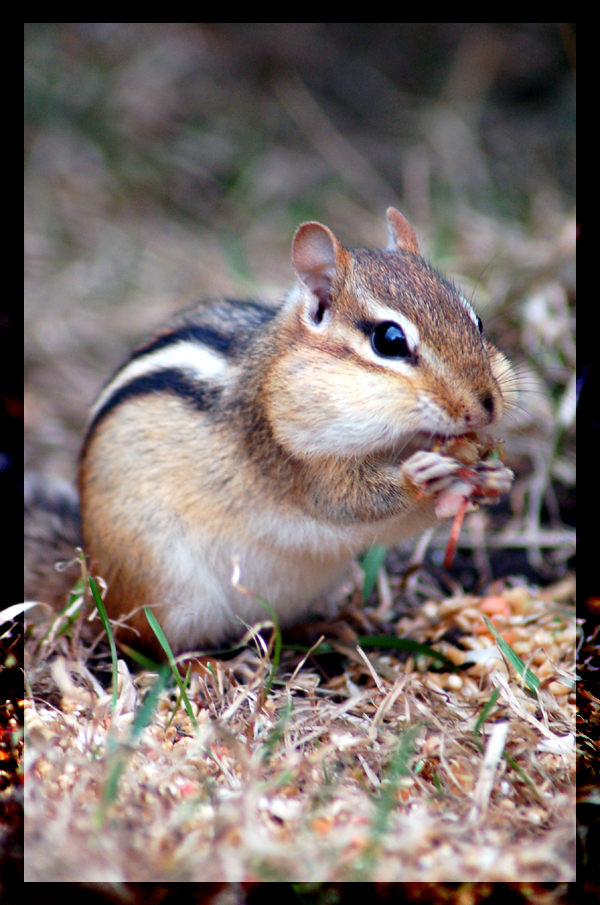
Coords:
402,236
317,257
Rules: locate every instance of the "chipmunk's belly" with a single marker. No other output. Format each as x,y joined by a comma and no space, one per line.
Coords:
213,586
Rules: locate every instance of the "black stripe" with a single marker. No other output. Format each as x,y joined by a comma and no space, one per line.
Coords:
241,319
166,380
200,335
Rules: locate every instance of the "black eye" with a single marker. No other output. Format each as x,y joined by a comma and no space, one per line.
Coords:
389,340
480,325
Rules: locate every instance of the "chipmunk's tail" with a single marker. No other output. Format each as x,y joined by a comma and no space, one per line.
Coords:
52,532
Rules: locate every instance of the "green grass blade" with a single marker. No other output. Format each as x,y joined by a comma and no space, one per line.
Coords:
530,679
113,648
371,563
278,643
172,663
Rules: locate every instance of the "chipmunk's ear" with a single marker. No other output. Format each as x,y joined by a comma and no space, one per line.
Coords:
317,258
402,235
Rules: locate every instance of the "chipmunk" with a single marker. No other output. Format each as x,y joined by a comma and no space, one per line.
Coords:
285,439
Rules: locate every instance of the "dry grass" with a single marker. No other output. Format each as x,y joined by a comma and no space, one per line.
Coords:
377,769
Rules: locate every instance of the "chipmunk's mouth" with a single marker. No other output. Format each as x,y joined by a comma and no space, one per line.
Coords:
469,448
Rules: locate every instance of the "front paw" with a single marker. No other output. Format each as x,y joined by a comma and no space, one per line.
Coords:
431,471
451,481
491,480
482,483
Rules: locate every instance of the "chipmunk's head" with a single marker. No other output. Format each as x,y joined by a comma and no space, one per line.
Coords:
378,348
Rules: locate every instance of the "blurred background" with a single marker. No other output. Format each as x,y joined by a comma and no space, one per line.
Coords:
169,162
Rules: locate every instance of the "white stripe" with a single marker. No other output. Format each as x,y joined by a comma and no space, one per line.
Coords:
197,361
